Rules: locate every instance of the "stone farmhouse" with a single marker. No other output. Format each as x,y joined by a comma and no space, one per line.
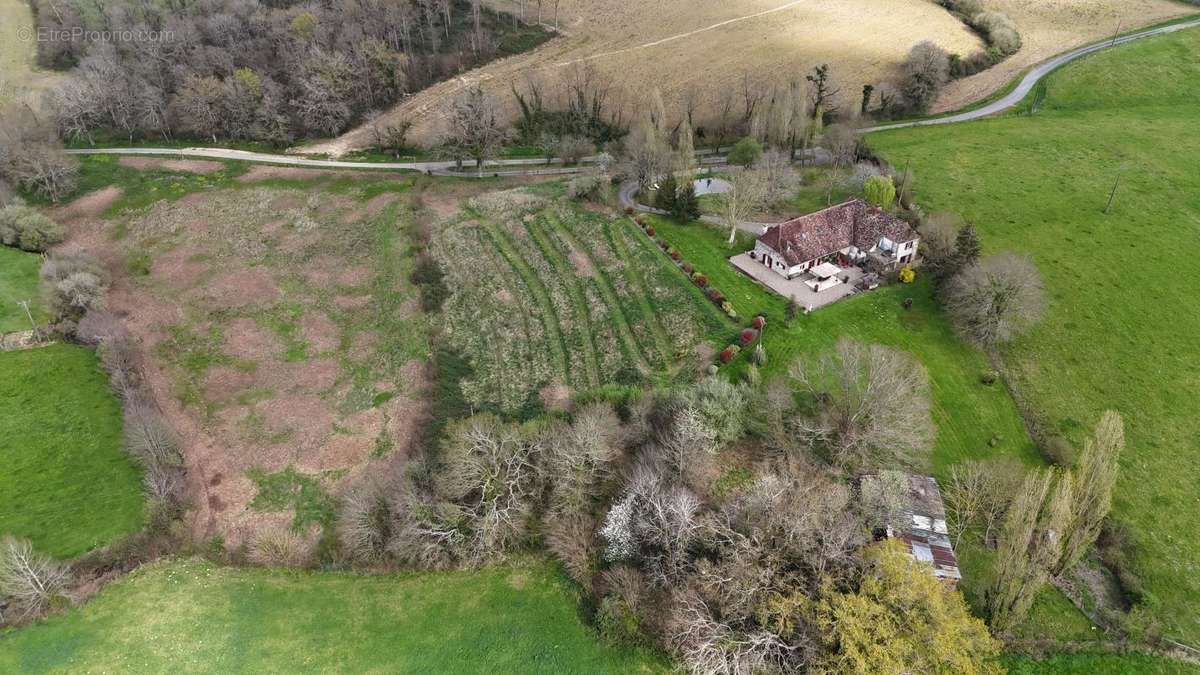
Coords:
853,233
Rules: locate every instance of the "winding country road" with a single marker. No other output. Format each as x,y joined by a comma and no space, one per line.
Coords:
502,167
1035,75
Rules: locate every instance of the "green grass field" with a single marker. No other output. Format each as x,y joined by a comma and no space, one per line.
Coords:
1121,329
18,281
191,616
66,483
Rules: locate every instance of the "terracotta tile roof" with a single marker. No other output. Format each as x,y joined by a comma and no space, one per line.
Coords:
851,223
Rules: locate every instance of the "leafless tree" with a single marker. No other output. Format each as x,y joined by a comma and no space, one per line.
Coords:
29,580
884,499
872,405
711,647
571,538
746,195
31,155
580,457
475,127
1030,546
364,520
926,71
781,178
489,469
647,154
653,524
938,234
996,299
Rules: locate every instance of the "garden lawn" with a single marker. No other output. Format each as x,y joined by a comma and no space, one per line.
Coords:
18,281
191,616
66,484
974,420
1121,330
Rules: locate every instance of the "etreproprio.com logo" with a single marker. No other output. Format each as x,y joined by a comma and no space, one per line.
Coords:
80,34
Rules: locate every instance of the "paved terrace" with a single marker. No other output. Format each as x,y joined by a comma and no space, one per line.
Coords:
796,288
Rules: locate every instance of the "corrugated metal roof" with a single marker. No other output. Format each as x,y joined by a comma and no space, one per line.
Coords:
926,536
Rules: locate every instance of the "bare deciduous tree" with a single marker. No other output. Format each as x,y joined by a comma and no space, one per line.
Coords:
580,456
926,70
29,581
872,405
647,154
781,179
1030,546
489,469
710,647
364,521
475,126
746,195
996,299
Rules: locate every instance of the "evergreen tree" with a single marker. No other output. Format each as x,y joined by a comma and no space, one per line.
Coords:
686,207
668,189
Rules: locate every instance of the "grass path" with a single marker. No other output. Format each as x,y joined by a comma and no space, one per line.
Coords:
537,291
642,292
609,295
567,277
639,246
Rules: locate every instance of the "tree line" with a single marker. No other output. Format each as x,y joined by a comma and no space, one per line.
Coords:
259,71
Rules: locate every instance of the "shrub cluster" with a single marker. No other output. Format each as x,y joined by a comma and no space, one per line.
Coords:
996,29
714,295
73,283
27,229
591,185
149,439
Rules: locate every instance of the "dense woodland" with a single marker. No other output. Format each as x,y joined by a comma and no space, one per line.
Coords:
270,71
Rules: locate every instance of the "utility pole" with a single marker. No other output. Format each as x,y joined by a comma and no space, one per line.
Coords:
1117,33
1112,195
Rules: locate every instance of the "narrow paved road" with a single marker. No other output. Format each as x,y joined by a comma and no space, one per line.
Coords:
504,167
1034,76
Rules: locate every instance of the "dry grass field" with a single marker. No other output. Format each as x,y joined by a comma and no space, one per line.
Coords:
677,45
708,47
1049,27
283,339
18,76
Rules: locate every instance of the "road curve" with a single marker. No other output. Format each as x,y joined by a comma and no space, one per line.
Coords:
1031,79
501,167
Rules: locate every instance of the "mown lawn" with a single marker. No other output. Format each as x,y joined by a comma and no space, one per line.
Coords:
1122,330
66,484
974,420
191,616
18,281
